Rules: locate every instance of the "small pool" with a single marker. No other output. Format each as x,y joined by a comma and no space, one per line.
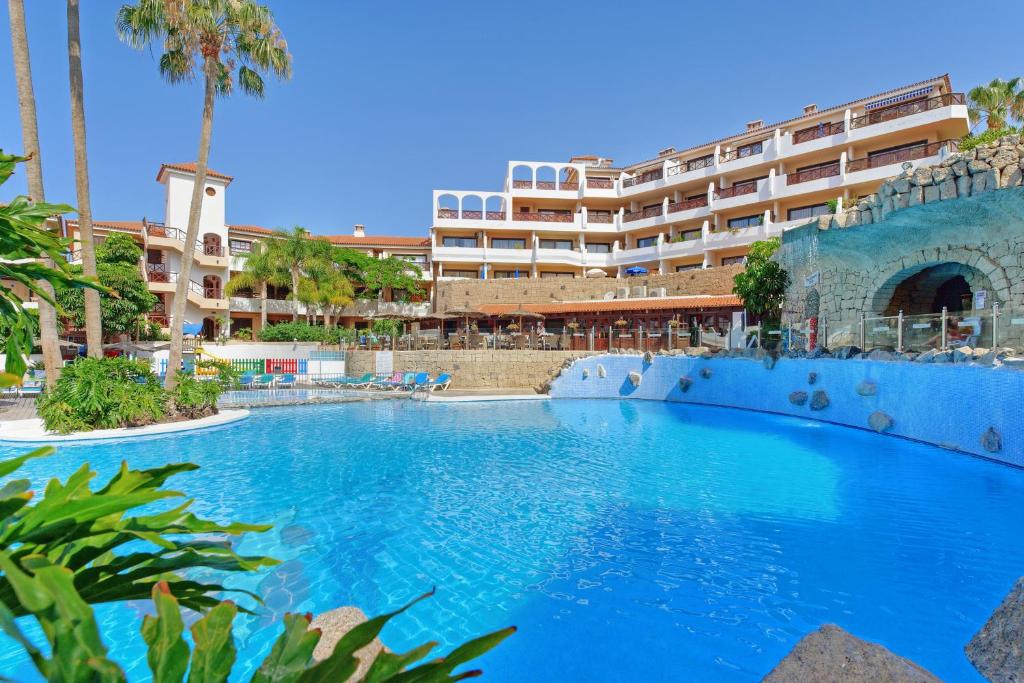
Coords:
627,540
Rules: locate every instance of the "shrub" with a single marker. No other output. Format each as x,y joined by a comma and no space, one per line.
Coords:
193,398
244,334
103,393
969,142
304,332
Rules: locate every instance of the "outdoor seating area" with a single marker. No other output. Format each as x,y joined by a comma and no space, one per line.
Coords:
396,381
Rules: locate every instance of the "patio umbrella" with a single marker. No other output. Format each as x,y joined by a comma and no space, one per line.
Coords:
521,313
636,270
466,314
595,272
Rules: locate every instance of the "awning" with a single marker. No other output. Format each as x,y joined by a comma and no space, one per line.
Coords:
664,303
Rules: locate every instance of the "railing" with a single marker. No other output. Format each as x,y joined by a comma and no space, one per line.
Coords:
901,155
906,109
742,152
74,256
160,230
821,130
212,249
569,186
601,183
649,212
647,177
736,190
453,214
546,185
522,184
816,173
536,216
494,215
161,319
694,203
157,272
599,218
472,215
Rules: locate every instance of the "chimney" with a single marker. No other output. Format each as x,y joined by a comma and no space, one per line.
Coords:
811,109
754,125
358,230
666,152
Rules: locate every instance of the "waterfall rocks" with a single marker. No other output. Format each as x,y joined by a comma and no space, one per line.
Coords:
996,650
867,388
992,441
601,371
846,352
812,377
586,373
648,358
798,398
684,384
819,400
635,378
879,421
705,373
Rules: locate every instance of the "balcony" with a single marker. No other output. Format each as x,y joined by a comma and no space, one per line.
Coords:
822,130
601,183
742,152
546,185
816,173
596,217
906,109
901,155
160,235
649,212
453,214
686,205
246,304
542,217
748,187
648,177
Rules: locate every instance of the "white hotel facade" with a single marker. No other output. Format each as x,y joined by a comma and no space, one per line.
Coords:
698,208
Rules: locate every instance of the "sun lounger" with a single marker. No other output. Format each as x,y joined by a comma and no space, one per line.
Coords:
245,381
262,381
442,382
390,383
285,381
31,389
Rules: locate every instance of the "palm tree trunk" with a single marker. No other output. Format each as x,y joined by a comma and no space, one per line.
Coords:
192,232
263,305
295,294
52,361
93,320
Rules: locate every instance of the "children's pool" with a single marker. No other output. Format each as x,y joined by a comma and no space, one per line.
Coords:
627,540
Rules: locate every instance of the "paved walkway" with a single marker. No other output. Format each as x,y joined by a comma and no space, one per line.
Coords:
17,408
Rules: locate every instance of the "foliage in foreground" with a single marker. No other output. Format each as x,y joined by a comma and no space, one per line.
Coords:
107,393
969,142
304,332
60,556
762,284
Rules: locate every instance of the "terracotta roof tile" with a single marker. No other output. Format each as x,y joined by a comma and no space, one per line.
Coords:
121,226
612,305
190,167
349,240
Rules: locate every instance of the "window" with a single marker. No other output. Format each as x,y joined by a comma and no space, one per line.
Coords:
556,244
748,150
556,275
646,242
469,242
746,221
807,211
730,260
599,248
688,235
154,256
688,266
702,195
471,274
508,243
210,191
505,274
240,246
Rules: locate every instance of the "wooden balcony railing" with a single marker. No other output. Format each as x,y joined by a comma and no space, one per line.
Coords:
161,319
647,177
649,212
569,186
694,203
536,216
546,185
448,213
815,173
736,190
213,249
742,152
157,272
820,130
599,218
906,109
900,155
522,184
494,216
601,183
471,215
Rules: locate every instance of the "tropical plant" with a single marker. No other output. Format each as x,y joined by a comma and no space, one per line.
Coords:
298,331
92,316
33,164
832,204
323,285
227,375
295,250
193,398
998,102
263,267
761,286
232,40
24,244
969,142
244,334
117,263
387,327
374,275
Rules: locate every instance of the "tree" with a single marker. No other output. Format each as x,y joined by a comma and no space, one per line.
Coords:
324,285
93,320
998,102
52,360
762,284
263,267
374,275
117,265
295,250
25,244
232,40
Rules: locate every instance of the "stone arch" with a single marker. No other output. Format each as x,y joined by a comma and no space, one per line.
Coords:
522,176
546,178
447,206
211,287
472,207
212,244
937,280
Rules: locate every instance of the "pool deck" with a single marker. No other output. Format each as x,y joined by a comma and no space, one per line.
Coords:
32,431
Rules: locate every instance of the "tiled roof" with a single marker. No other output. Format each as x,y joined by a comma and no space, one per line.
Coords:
121,226
348,240
251,228
613,305
190,167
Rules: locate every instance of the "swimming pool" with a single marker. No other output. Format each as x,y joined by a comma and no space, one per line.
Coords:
625,539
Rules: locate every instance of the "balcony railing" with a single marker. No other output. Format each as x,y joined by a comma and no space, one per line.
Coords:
522,184
157,272
900,155
647,177
538,217
649,212
694,203
569,186
601,183
816,173
453,214
212,249
161,319
599,218
906,109
742,152
736,190
545,185
494,216
821,130
161,230
470,215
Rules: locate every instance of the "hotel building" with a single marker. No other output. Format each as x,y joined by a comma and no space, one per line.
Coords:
696,208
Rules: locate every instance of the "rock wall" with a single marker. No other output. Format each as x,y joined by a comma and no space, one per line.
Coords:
473,369
472,293
965,407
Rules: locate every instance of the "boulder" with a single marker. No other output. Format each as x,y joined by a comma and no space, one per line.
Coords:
819,352
941,174
812,377
992,442
798,398
684,384
916,195
879,421
1011,176
867,388
993,356
635,378
831,655
947,189
846,352
962,354
977,166
648,358
960,168
964,185
705,373
931,194
601,372
333,626
942,357
586,373
901,185
819,400
1003,157
921,177
997,650
880,354
927,356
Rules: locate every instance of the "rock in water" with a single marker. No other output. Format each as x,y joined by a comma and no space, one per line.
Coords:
819,400
586,373
879,421
997,650
812,377
685,383
648,357
831,655
992,441
635,378
601,371
705,373
867,388
798,398
333,626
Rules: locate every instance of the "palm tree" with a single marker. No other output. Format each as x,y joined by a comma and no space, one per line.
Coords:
323,284
296,249
232,40
263,267
52,361
93,316
998,102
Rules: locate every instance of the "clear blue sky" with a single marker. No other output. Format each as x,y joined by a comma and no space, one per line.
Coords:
390,100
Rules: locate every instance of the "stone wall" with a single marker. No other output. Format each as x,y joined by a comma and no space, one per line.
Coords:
961,217
473,369
472,293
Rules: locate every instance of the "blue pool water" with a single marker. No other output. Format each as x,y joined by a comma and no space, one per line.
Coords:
626,539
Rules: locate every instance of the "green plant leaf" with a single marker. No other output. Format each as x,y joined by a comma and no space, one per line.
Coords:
214,652
387,664
292,652
168,653
8,466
